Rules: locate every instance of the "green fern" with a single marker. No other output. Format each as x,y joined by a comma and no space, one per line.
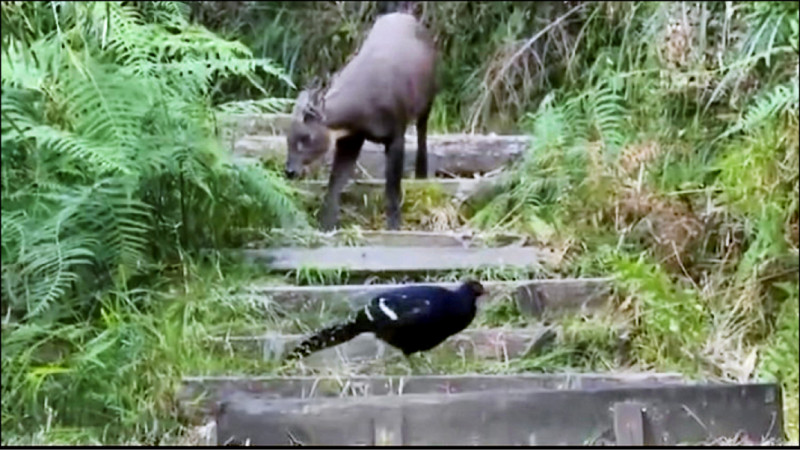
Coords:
781,100
109,147
557,161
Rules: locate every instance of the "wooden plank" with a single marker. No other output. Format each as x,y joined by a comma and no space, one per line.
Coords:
450,154
552,297
676,414
198,394
477,343
398,259
629,423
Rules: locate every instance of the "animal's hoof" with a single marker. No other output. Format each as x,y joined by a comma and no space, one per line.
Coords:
327,222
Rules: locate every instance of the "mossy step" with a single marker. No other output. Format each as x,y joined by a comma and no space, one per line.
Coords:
535,298
474,344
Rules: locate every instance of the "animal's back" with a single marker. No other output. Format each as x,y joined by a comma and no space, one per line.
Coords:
393,73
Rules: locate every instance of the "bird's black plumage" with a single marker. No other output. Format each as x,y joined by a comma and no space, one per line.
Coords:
411,318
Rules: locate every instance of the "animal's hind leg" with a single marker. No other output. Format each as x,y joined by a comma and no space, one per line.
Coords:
395,151
422,144
344,161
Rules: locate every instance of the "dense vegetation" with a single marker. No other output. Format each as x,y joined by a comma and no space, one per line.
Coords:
665,154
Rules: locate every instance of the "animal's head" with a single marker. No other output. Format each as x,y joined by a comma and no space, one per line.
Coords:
474,287
307,140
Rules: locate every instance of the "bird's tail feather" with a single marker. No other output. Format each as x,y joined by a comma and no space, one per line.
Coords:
328,337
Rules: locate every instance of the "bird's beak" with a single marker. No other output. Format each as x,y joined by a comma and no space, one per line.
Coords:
483,298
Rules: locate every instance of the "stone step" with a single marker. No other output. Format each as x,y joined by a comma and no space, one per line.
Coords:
262,138
626,415
543,299
474,344
199,395
398,259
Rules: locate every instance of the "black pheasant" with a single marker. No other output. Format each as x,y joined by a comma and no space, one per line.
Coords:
410,318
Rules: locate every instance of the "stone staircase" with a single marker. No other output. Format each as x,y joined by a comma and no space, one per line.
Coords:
363,393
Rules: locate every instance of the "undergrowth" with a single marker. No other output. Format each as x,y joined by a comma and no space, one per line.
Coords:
111,176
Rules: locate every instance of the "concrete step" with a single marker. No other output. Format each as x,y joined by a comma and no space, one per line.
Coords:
542,299
626,415
254,138
471,344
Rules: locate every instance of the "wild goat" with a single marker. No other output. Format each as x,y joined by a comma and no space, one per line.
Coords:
386,85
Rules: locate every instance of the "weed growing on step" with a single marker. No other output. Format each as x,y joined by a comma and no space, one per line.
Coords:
425,207
312,276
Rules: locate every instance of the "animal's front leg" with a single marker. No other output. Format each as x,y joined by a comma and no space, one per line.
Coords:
344,161
395,152
422,145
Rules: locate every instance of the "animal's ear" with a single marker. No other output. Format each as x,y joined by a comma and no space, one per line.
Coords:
314,84
315,107
310,103
301,104
317,98
311,114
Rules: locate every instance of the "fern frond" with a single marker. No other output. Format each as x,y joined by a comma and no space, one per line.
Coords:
110,212
606,114
782,99
274,194
103,158
106,108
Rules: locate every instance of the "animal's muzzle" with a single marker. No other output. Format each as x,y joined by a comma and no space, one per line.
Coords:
291,173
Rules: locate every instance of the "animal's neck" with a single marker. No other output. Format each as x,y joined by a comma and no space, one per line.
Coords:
334,135
466,296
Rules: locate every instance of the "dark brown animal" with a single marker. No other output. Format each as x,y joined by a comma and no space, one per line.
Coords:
389,83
